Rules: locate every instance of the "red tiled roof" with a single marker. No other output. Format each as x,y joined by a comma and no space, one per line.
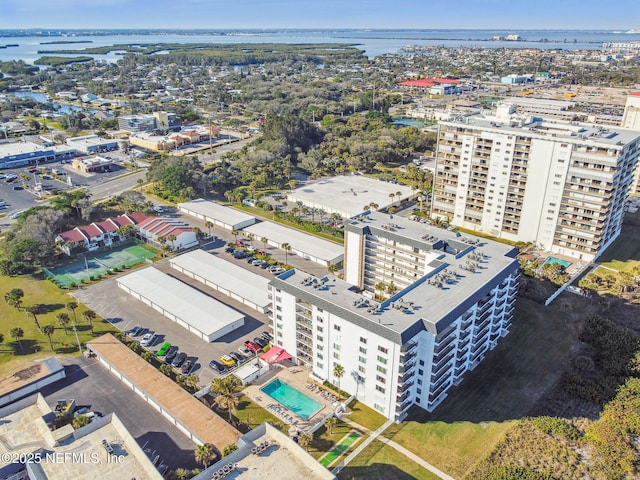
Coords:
137,217
91,231
73,236
107,226
428,82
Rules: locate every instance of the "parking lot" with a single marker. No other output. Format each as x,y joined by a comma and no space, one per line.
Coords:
94,387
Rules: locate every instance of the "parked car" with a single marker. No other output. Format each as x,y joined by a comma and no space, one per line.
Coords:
260,341
158,209
148,339
171,354
179,360
267,336
237,356
227,360
257,263
18,187
218,367
239,254
254,347
186,367
265,265
135,331
229,249
278,271
250,259
245,351
164,349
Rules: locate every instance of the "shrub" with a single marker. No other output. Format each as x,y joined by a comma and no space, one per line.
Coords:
557,427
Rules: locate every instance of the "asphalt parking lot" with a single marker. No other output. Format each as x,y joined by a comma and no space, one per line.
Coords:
94,387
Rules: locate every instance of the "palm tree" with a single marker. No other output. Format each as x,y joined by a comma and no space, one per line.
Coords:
48,331
235,234
338,372
17,333
287,248
225,388
32,311
163,243
89,316
14,298
264,241
399,195
164,368
170,239
80,421
392,196
305,440
208,224
71,306
63,320
251,238
192,381
182,474
205,454
146,355
392,288
330,423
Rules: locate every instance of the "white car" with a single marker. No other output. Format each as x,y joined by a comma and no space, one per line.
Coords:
148,339
158,209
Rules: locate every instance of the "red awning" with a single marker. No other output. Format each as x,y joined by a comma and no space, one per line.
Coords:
275,354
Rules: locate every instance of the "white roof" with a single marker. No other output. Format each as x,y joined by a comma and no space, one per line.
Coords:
300,241
190,305
347,195
234,278
19,148
226,215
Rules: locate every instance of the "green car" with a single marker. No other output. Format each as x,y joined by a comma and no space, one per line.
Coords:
164,349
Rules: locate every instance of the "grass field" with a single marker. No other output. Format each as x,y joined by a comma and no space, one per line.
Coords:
365,416
252,414
478,413
37,290
381,462
339,449
624,254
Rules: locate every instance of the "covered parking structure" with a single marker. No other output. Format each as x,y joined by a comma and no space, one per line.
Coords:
307,246
232,280
198,313
225,217
187,413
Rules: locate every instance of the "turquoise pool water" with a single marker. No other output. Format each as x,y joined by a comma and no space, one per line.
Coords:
407,122
552,260
291,398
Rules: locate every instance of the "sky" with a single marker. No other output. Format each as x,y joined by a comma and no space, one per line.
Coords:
374,14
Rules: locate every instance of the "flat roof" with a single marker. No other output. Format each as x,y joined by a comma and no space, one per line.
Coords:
226,215
82,458
20,148
234,278
434,301
348,194
189,411
39,369
303,242
201,311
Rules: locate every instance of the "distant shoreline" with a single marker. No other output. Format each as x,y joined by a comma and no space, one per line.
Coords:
64,42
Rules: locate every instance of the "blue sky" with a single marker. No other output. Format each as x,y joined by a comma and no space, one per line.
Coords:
185,14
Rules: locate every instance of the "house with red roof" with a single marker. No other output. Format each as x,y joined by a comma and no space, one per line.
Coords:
97,235
174,233
435,86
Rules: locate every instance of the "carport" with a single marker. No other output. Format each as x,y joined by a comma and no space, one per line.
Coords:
225,217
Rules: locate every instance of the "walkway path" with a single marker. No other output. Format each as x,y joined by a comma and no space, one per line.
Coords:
378,435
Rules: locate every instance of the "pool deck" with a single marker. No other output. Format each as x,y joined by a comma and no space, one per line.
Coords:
297,377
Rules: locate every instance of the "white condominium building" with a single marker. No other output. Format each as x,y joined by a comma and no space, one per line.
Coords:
561,186
454,301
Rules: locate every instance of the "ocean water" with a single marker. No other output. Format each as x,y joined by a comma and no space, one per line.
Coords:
372,42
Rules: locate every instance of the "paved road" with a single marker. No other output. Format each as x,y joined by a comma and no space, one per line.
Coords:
91,385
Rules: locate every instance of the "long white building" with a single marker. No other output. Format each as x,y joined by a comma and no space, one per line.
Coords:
561,186
411,348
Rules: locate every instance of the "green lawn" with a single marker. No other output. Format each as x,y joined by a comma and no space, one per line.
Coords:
323,442
624,254
365,416
37,290
381,462
478,413
339,449
252,415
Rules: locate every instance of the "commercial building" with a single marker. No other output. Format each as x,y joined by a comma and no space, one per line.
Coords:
92,164
221,216
29,380
91,144
200,314
448,300
349,195
561,186
149,141
231,280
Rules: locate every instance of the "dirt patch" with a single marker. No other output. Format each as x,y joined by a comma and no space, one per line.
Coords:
22,377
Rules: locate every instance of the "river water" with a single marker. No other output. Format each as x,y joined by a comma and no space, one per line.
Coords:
372,42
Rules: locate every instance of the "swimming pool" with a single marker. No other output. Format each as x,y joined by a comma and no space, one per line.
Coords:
407,122
291,398
560,262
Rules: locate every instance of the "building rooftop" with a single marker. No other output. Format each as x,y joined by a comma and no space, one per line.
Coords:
226,215
65,453
349,194
21,148
30,374
463,269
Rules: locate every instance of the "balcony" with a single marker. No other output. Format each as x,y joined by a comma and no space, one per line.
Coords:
405,358
406,367
403,397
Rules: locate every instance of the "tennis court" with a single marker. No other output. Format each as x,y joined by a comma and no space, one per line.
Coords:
93,266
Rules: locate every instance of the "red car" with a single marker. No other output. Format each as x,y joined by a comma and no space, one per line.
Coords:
254,347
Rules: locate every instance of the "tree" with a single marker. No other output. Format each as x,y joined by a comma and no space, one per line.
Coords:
80,421
305,440
330,423
229,449
338,373
287,248
71,306
264,241
205,454
147,356
192,381
63,320
208,224
170,239
48,330
32,312
164,368
89,316
225,388
182,474
17,333
235,234
14,297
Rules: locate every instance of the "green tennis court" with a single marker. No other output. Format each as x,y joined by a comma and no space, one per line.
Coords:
339,449
91,267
